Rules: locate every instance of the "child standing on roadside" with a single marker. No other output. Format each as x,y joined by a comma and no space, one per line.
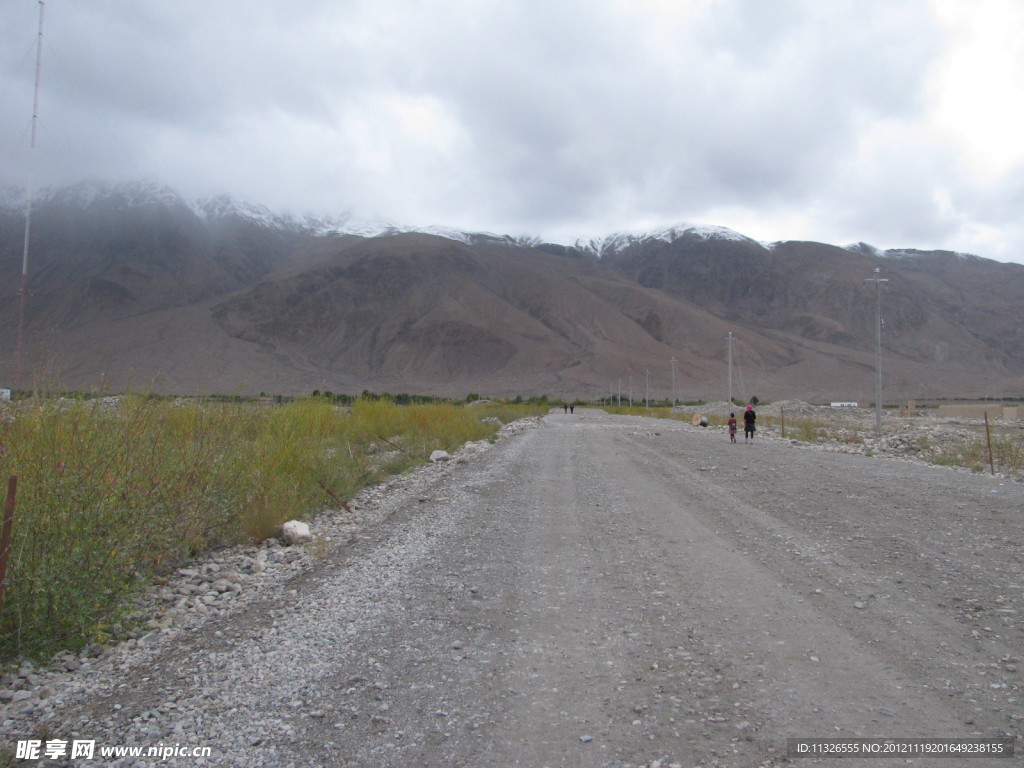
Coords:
732,427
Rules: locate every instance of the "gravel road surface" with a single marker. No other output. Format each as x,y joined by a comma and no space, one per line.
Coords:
607,591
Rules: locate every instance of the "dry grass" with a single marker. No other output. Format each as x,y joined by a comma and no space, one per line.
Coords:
114,490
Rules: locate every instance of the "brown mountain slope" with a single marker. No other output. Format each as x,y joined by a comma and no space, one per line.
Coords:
431,312
951,322
134,286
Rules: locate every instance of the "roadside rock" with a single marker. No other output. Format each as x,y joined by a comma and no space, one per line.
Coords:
295,532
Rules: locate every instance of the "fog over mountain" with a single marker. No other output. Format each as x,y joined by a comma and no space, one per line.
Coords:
133,285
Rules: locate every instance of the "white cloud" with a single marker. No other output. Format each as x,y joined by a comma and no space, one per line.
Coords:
978,88
893,122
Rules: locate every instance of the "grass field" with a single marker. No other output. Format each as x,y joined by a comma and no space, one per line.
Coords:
112,491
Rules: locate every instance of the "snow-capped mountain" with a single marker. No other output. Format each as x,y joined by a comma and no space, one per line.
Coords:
153,195
148,194
610,245
219,295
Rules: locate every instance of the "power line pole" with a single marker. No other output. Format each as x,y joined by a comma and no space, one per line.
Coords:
647,388
673,381
729,339
878,280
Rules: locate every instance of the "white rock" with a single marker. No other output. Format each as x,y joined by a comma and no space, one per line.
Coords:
437,456
295,532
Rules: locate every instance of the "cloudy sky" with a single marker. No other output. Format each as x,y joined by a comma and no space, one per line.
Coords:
896,122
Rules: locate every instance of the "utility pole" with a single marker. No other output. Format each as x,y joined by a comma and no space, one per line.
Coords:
673,381
729,339
878,280
647,388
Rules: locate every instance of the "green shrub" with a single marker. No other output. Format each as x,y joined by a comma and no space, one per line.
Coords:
115,490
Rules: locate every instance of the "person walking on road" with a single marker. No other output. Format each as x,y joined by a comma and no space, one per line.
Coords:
732,427
749,427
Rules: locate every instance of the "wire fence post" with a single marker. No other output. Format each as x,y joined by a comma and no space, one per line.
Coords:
5,537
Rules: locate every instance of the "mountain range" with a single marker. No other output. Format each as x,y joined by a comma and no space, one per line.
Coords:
133,286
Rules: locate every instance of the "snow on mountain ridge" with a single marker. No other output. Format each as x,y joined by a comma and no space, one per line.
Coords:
223,207
864,248
349,225
88,194
899,253
617,242
122,196
703,231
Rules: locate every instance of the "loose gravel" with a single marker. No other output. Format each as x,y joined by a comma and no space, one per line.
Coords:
588,591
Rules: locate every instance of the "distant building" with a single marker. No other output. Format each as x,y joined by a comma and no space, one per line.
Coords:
845,405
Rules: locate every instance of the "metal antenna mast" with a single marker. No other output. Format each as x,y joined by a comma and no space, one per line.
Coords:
23,291
878,346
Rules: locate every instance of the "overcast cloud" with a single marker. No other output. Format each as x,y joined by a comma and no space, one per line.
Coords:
896,122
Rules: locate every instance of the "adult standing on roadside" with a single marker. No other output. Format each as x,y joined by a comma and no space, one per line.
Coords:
749,425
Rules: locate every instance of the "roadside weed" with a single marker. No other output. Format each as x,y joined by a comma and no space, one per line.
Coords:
114,490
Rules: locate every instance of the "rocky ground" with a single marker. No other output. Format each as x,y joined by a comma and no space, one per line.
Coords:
922,436
588,591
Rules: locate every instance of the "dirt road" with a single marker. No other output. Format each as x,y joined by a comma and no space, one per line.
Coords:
615,591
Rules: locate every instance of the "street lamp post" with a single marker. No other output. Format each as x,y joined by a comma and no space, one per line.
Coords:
877,280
